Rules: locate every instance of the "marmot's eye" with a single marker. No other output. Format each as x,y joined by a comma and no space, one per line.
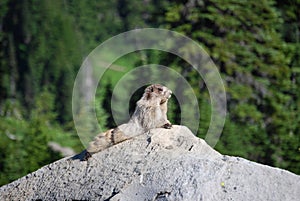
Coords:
160,89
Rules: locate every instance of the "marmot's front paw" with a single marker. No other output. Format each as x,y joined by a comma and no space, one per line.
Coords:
87,155
167,126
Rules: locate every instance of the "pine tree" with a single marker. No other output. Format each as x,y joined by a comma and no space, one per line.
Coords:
243,39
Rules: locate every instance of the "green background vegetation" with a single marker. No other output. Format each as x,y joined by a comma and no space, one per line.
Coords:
255,45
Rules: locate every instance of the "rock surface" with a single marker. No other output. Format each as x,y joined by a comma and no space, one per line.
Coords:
162,165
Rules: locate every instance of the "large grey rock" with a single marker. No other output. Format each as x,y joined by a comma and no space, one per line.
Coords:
162,165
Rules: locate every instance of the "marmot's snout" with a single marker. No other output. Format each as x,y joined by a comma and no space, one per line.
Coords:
167,93
170,94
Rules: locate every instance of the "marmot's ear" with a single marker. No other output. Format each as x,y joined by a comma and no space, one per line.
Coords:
150,88
148,96
148,93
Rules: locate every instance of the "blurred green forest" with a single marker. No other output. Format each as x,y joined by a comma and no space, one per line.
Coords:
255,45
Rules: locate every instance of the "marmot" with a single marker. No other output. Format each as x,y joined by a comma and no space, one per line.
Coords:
150,112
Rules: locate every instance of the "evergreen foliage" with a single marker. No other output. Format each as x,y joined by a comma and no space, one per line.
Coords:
244,40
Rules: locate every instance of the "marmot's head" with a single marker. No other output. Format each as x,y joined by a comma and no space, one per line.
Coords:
157,91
